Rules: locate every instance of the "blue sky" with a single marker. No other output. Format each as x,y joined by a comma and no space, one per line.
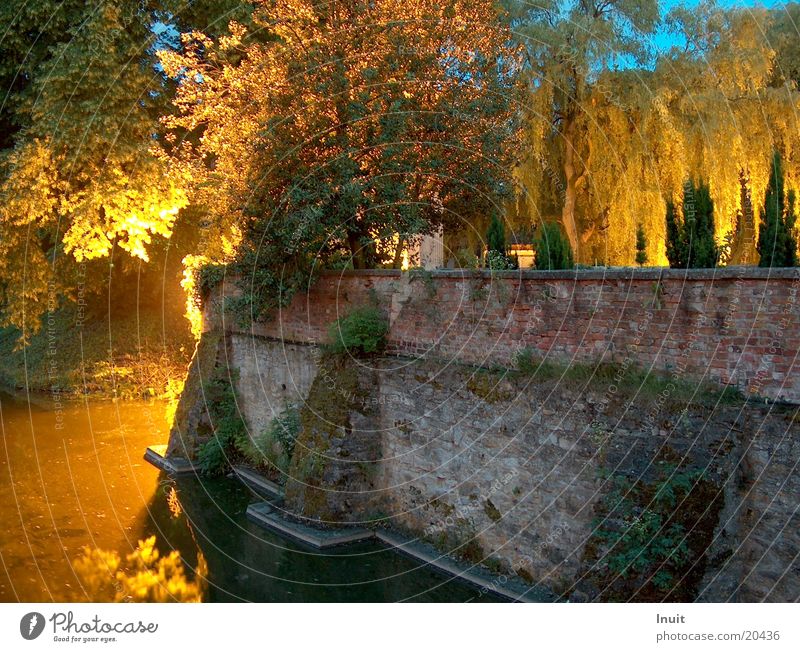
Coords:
664,40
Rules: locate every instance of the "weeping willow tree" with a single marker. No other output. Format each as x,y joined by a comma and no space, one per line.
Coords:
715,107
569,44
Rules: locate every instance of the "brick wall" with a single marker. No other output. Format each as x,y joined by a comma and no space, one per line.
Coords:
737,326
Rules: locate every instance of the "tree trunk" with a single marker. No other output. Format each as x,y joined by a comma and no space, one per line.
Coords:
398,252
356,252
571,177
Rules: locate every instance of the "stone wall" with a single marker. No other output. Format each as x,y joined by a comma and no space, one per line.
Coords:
734,326
516,467
269,378
508,468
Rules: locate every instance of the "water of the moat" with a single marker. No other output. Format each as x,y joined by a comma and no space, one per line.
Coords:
72,475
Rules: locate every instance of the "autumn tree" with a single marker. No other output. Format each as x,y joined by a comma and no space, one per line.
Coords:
86,200
712,105
82,177
352,128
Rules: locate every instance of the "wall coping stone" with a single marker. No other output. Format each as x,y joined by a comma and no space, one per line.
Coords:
594,274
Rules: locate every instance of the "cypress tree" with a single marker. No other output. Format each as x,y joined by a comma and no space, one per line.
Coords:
496,236
675,244
690,241
641,246
496,257
703,248
777,246
552,248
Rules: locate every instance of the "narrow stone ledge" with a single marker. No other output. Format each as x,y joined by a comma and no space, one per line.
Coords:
500,585
157,456
265,515
258,483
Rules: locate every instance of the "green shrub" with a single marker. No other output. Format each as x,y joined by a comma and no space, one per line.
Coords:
230,431
275,444
209,277
362,331
466,259
498,261
212,457
552,248
640,532
524,361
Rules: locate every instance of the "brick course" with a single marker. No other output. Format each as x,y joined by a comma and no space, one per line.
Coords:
733,326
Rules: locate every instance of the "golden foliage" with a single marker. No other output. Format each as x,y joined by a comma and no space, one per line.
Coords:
325,109
146,576
710,110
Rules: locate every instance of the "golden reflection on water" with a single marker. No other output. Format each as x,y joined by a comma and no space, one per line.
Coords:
173,503
73,478
145,576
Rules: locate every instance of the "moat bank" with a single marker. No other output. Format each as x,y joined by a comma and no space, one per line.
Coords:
594,480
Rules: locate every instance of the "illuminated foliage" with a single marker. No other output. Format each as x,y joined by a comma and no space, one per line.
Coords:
343,125
570,44
82,177
144,576
715,106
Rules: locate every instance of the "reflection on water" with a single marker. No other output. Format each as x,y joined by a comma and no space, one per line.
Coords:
144,576
75,480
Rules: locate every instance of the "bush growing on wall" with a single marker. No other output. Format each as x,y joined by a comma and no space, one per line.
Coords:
228,427
275,444
362,331
640,531
212,457
552,248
